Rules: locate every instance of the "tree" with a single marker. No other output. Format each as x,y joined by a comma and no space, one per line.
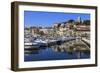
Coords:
70,21
86,22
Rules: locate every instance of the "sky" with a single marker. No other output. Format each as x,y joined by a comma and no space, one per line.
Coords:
47,19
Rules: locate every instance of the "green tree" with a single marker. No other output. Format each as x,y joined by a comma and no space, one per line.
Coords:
86,22
70,21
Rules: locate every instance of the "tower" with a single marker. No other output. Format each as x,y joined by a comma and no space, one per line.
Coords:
79,19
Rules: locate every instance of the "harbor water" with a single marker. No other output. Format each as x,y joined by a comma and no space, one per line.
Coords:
65,51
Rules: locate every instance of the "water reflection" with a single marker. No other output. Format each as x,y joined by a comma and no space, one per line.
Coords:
75,49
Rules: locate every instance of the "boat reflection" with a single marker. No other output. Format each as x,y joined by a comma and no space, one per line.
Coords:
75,49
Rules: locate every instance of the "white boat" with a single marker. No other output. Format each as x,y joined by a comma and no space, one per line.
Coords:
39,41
28,43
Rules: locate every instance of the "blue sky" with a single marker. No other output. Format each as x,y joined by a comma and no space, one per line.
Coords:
46,19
